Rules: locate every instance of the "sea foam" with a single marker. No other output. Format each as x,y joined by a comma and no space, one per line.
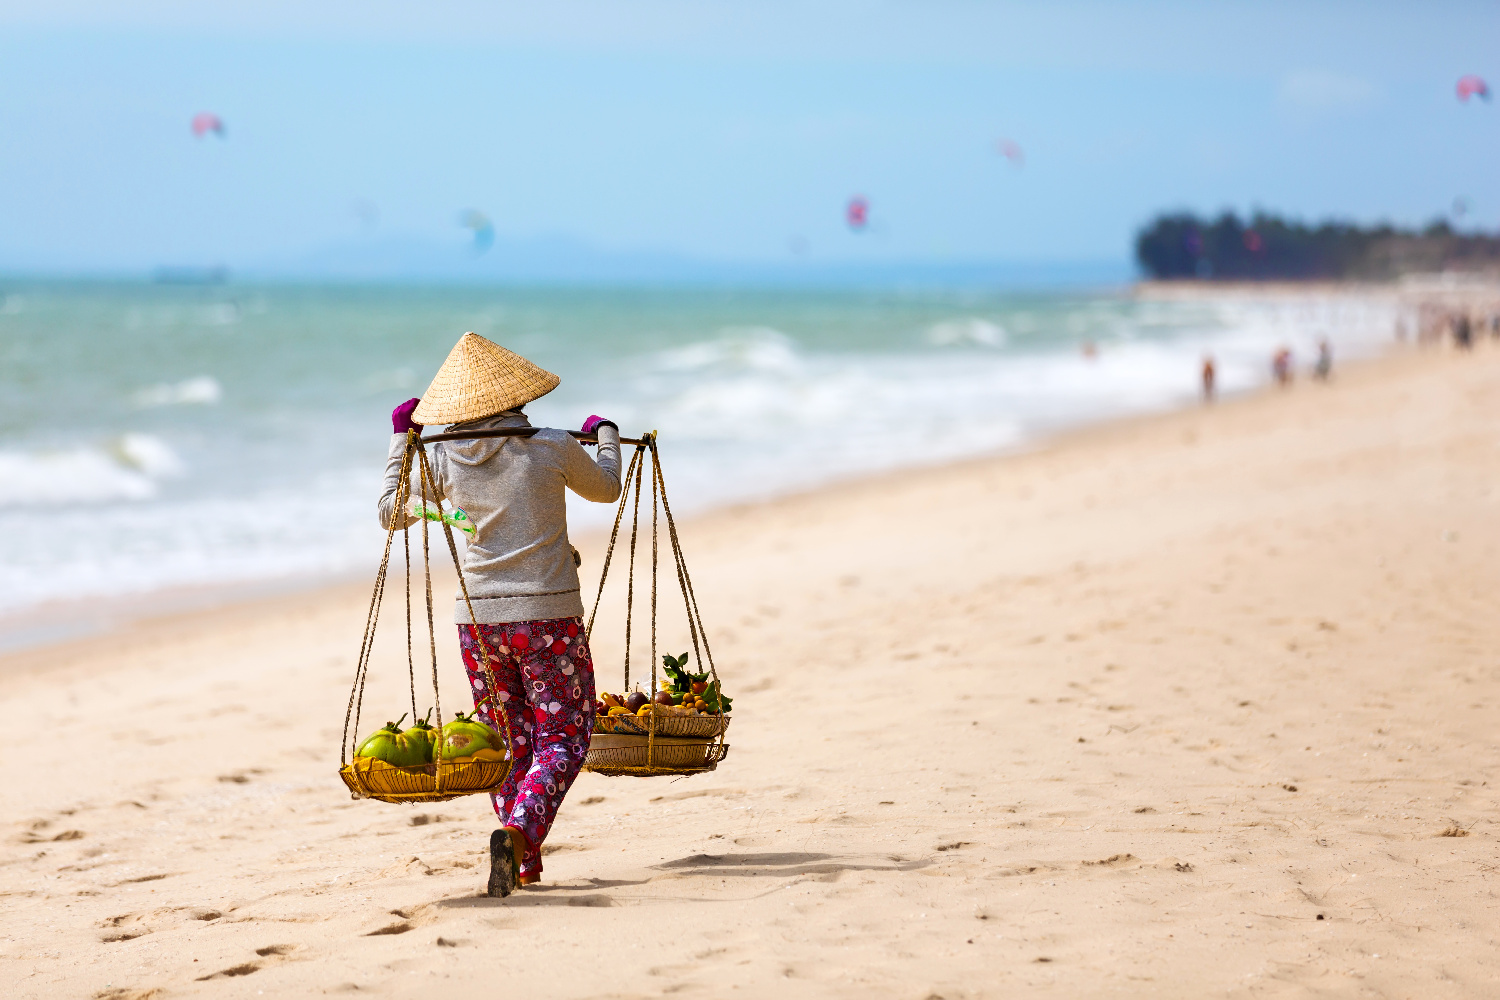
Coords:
118,428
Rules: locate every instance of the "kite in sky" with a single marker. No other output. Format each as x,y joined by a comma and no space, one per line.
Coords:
1012,151
858,213
1470,85
484,232
205,122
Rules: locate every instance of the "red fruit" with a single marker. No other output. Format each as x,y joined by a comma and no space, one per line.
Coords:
559,647
662,698
699,687
635,701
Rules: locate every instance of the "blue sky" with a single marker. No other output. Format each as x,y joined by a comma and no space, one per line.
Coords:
722,131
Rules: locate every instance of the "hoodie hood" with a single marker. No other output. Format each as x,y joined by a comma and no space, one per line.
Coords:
481,450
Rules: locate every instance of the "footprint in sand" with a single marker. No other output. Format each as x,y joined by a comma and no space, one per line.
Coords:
268,954
400,927
1113,861
244,969
410,919
129,926
36,833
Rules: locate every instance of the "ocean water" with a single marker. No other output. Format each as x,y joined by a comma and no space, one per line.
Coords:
157,437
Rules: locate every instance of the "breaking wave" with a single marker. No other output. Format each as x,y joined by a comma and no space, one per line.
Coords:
155,476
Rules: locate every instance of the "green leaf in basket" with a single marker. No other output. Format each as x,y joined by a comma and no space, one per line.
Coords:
715,700
677,672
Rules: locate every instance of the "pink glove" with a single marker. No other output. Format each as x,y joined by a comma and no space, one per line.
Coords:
401,420
592,423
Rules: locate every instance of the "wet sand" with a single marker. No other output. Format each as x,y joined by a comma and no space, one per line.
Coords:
1201,704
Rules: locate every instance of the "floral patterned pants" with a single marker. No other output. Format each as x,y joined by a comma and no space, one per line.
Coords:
546,688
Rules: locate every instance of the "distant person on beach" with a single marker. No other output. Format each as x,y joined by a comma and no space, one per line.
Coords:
1281,366
521,574
1463,332
1209,376
1324,366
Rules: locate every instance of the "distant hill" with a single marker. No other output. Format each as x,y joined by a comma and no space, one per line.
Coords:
1175,246
561,260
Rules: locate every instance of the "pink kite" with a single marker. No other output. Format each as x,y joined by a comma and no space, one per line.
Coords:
858,212
205,122
1011,150
1471,85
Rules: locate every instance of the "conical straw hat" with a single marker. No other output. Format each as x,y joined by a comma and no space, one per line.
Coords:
481,378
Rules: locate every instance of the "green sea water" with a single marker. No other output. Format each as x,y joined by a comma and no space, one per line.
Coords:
166,436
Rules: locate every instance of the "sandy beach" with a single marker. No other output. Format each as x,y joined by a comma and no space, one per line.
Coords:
1197,704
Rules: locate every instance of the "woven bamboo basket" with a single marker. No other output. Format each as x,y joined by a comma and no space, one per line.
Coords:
369,778
611,754
659,743
366,777
666,725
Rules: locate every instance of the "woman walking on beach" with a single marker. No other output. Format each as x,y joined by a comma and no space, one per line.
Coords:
521,574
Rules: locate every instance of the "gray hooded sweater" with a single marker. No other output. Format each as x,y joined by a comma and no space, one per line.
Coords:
519,564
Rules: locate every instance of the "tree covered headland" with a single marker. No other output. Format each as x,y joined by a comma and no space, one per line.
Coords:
1267,248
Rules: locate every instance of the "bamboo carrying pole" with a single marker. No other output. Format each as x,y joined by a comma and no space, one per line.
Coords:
513,432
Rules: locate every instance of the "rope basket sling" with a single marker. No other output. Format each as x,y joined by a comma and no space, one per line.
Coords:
442,779
657,743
